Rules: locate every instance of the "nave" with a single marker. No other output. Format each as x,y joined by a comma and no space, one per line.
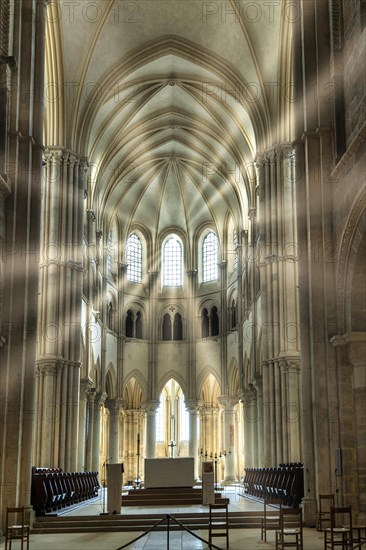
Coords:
183,240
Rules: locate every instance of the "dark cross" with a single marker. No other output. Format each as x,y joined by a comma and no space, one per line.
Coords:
172,308
172,445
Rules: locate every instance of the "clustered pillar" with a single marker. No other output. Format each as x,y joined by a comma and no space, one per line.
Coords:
280,325
58,363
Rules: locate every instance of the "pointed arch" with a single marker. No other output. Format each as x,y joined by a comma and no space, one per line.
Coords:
97,377
202,379
111,381
139,377
233,377
178,378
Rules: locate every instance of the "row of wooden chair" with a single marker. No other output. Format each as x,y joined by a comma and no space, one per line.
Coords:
285,483
341,531
287,522
54,489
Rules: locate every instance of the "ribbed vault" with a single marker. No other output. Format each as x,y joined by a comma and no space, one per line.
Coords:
166,106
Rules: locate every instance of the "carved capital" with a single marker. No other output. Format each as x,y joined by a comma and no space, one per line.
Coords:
271,154
102,398
92,394
252,214
293,365
53,155
282,365
72,158
114,405
244,396
206,411
259,159
192,406
287,150
46,369
228,401
91,215
85,385
150,407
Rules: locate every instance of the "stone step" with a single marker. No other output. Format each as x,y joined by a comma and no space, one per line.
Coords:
172,496
138,522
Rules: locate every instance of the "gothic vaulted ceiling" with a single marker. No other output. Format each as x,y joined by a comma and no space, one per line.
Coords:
170,100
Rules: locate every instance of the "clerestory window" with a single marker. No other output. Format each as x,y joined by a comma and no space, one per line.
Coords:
210,257
134,258
172,262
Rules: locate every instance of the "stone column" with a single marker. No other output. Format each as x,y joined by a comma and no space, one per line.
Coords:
99,400
128,449
229,438
317,300
246,397
191,335
357,354
267,443
91,397
294,410
150,408
351,356
114,407
153,338
223,326
48,412
192,408
239,319
121,328
83,415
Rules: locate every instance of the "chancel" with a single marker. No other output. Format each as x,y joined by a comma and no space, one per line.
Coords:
183,248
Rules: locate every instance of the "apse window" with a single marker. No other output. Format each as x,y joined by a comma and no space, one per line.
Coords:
210,255
172,262
134,258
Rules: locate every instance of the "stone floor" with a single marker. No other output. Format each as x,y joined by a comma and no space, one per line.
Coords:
240,539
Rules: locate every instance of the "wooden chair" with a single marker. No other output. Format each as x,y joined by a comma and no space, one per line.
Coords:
219,522
325,503
339,534
270,519
358,537
289,535
18,530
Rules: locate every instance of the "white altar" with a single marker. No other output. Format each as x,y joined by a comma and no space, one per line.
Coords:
169,472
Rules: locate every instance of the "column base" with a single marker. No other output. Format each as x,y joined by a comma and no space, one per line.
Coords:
229,480
309,508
